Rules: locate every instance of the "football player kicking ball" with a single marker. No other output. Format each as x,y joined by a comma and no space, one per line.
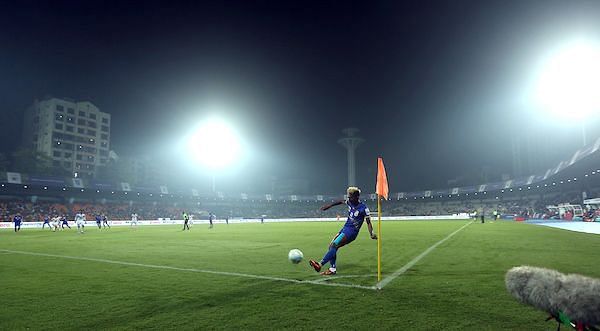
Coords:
357,214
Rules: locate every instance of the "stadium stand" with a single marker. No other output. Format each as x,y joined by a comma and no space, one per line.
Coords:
568,183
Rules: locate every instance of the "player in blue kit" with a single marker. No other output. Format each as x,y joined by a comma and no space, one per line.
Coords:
46,221
358,213
99,221
64,222
17,220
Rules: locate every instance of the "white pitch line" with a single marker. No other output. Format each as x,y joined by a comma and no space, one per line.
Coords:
222,273
410,264
329,278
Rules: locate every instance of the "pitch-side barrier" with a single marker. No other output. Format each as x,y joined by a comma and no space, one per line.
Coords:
234,220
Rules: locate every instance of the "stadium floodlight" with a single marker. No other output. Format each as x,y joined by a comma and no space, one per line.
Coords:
213,144
567,85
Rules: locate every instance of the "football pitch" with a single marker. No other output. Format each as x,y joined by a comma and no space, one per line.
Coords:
437,275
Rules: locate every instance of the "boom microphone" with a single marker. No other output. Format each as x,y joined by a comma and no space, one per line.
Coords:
572,299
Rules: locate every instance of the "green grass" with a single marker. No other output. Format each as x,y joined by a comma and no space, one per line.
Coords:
459,285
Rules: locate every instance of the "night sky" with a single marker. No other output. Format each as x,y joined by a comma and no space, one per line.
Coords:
436,87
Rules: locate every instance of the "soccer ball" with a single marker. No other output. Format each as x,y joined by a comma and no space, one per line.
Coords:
295,256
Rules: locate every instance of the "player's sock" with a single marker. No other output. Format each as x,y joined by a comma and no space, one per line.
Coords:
331,253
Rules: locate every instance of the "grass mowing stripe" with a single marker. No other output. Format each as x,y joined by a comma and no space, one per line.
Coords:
409,265
222,273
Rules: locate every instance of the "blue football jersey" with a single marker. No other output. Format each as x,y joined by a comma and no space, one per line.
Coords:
356,215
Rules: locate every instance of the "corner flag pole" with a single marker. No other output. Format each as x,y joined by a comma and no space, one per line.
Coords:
378,238
382,191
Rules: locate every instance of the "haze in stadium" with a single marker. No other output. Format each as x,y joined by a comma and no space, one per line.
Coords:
277,165
410,75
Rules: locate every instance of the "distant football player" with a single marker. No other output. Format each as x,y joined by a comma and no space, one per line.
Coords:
99,221
186,220
55,223
80,221
211,217
357,214
17,220
134,219
105,221
46,221
63,220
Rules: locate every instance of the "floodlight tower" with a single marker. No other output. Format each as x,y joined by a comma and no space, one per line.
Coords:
351,142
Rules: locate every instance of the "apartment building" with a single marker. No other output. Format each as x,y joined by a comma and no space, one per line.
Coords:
75,134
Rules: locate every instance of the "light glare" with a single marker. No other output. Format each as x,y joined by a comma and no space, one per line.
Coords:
569,80
214,144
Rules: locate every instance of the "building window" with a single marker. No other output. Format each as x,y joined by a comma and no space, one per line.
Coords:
68,146
105,120
103,160
92,124
60,108
93,116
59,117
68,155
91,133
70,110
57,154
104,144
78,165
104,128
58,126
92,141
90,158
70,128
79,157
81,113
56,163
81,130
103,152
104,136
67,164
70,119
80,122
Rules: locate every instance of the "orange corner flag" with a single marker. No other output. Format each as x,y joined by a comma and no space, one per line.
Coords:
382,183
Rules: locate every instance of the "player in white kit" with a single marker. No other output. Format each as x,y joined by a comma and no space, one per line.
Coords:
80,221
55,223
134,219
